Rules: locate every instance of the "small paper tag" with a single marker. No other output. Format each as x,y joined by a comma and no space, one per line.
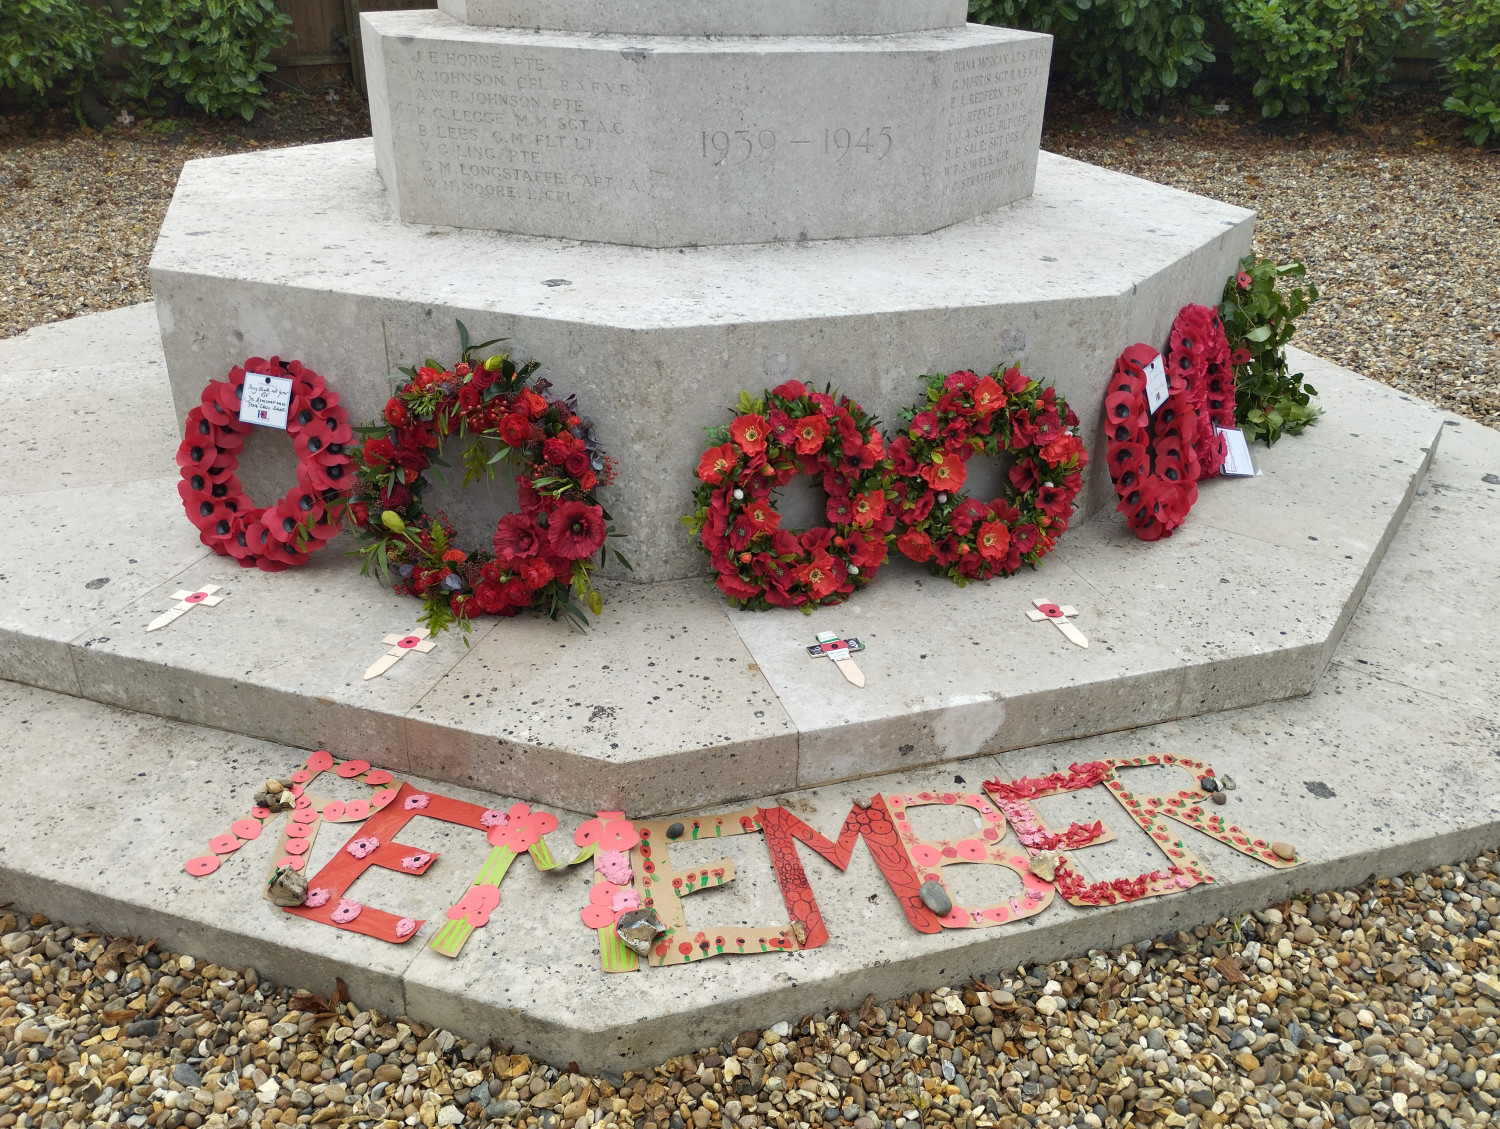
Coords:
266,400
1156,384
1237,464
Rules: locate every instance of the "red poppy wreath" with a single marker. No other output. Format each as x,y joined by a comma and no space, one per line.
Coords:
793,431
270,538
1152,459
1198,355
963,415
544,554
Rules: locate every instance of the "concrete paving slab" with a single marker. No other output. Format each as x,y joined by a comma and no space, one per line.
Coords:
659,704
85,553
111,336
951,672
62,426
276,658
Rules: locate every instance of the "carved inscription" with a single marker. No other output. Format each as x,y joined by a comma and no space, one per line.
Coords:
736,147
992,103
514,127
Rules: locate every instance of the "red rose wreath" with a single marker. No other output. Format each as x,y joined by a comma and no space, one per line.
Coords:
544,553
1198,355
770,442
1152,459
964,415
270,538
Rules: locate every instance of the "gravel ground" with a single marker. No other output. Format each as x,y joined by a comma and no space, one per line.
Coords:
79,211
1395,218
1355,1008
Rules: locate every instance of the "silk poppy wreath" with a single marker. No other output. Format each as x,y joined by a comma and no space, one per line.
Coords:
1198,355
270,538
770,441
541,556
963,415
1152,459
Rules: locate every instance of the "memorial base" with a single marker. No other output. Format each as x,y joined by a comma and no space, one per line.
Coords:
297,252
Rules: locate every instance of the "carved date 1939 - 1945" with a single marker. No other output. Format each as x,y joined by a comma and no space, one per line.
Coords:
735,147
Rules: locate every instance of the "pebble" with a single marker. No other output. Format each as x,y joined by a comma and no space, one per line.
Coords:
935,898
675,831
1220,798
1284,851
1359,1008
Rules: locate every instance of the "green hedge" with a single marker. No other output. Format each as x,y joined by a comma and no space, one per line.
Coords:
1296,55
210,53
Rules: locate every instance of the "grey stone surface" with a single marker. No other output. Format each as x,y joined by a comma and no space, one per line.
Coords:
686,140
1400,731
296,252
714,17
670,700
278,658
659,705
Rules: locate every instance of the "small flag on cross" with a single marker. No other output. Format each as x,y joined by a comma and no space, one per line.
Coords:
189,601
1059,614
399,645
832,647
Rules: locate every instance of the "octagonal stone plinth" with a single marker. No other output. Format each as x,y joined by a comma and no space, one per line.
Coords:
669,141
296,252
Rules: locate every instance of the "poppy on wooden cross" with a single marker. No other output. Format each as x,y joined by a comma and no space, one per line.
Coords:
189,601
399,645
832,646
1059,614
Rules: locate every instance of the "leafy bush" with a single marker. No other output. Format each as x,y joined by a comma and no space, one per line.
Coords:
1328,53
1135,53
50,49
1468,35
1131,53
1259,319
212,53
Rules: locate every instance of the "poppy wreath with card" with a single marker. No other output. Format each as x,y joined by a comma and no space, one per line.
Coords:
541,556
1152,459
963,415
276,537
770,441
1198,352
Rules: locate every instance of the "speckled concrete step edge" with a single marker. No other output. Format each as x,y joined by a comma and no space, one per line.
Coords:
1388,765
673,702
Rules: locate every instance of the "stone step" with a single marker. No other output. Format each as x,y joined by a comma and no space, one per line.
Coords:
1388,765
671,701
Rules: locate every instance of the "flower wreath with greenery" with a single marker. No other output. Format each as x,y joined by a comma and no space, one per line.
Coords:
1259,319
544,555
270,538
1151,458
770,441
962,415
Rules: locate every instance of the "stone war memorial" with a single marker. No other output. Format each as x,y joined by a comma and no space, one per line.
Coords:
646,468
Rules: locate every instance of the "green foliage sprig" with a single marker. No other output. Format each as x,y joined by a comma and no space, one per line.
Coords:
1259,319
212,53
1467,34
1132,53
50,48
1325,54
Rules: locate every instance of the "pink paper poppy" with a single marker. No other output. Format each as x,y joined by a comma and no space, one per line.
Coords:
476,906
610,831
363,847
346,911
316,897
607,903
416,861
524,828
405,928
491,818
415,803
615,866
